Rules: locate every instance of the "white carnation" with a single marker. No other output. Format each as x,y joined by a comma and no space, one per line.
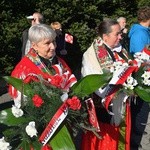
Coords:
4,145
31,130
17,112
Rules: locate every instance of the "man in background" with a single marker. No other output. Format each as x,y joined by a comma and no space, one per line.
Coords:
122,22
67,48
34,19
60,40
139,35
124,41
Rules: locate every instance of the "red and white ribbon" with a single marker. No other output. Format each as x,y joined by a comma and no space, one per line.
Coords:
92,114
118,79
54,123
146,51
67,79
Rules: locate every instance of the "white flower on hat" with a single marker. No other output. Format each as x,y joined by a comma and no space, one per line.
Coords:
4,145
31,130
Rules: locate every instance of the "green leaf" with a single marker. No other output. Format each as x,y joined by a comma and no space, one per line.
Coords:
143,93
36,145
25,145
9,119
89,84
62,140
19,85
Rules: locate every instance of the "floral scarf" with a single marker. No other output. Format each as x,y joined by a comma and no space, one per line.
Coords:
106,56
33,56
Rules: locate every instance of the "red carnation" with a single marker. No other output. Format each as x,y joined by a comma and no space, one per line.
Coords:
30,78
46,147
74,103
37,100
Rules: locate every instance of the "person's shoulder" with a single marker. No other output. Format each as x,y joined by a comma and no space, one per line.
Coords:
137,31
19,66
24,31
142,32
90,50
136,27
139,28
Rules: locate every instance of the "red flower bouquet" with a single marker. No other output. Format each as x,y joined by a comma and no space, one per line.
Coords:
44,109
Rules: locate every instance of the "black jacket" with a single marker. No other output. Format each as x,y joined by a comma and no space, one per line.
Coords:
24,40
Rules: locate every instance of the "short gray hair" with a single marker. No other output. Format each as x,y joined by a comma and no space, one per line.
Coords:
40,32
121,18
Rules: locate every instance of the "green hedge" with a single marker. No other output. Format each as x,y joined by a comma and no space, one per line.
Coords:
79,17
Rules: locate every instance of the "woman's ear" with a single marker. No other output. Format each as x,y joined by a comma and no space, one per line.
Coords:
34,45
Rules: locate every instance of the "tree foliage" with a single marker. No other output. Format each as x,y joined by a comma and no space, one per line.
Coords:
78,17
